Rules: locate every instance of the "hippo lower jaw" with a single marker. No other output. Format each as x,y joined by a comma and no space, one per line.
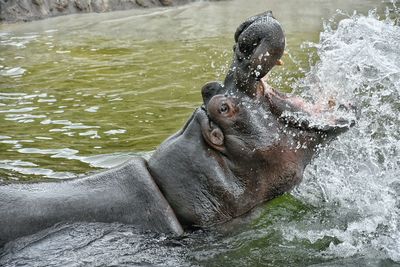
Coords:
294,111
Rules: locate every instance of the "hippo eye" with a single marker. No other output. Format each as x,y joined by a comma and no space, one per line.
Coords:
224,108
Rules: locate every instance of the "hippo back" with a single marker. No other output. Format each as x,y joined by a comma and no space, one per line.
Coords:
125,194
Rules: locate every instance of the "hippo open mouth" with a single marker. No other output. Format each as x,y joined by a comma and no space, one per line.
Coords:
296,112
259,46
293,111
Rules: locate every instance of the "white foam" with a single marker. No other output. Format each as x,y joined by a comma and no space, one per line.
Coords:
356,176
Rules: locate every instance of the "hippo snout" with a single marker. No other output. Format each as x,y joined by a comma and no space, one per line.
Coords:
259,45
263,30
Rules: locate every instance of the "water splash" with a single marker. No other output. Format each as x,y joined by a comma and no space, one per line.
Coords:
349,204
357,177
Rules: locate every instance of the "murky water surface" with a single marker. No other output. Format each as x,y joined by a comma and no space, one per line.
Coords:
78,93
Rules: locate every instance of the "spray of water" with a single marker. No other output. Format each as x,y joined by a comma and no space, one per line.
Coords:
357,178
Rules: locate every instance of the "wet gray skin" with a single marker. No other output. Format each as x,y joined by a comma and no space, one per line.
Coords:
125,194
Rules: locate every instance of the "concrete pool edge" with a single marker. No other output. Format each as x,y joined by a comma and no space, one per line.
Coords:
12,11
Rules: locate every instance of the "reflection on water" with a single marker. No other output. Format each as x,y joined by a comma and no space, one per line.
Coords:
124,81
85,92
103,100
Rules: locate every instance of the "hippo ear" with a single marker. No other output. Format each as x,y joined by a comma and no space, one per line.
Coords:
217,137
214,137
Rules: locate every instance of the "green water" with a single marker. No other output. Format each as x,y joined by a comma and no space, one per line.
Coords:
82,92
122,82
100,97
262,242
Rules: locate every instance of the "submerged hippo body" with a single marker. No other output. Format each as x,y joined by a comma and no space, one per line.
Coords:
240,149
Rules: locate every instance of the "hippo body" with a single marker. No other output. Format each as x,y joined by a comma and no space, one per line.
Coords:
230,156
238,150
125,194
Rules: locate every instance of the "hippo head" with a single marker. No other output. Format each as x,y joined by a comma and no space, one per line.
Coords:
248,143
235,152
259,45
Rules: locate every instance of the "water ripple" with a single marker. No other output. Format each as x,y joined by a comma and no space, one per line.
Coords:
12,72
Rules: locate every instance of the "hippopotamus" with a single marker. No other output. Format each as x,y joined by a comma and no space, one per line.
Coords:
239,149
230,156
